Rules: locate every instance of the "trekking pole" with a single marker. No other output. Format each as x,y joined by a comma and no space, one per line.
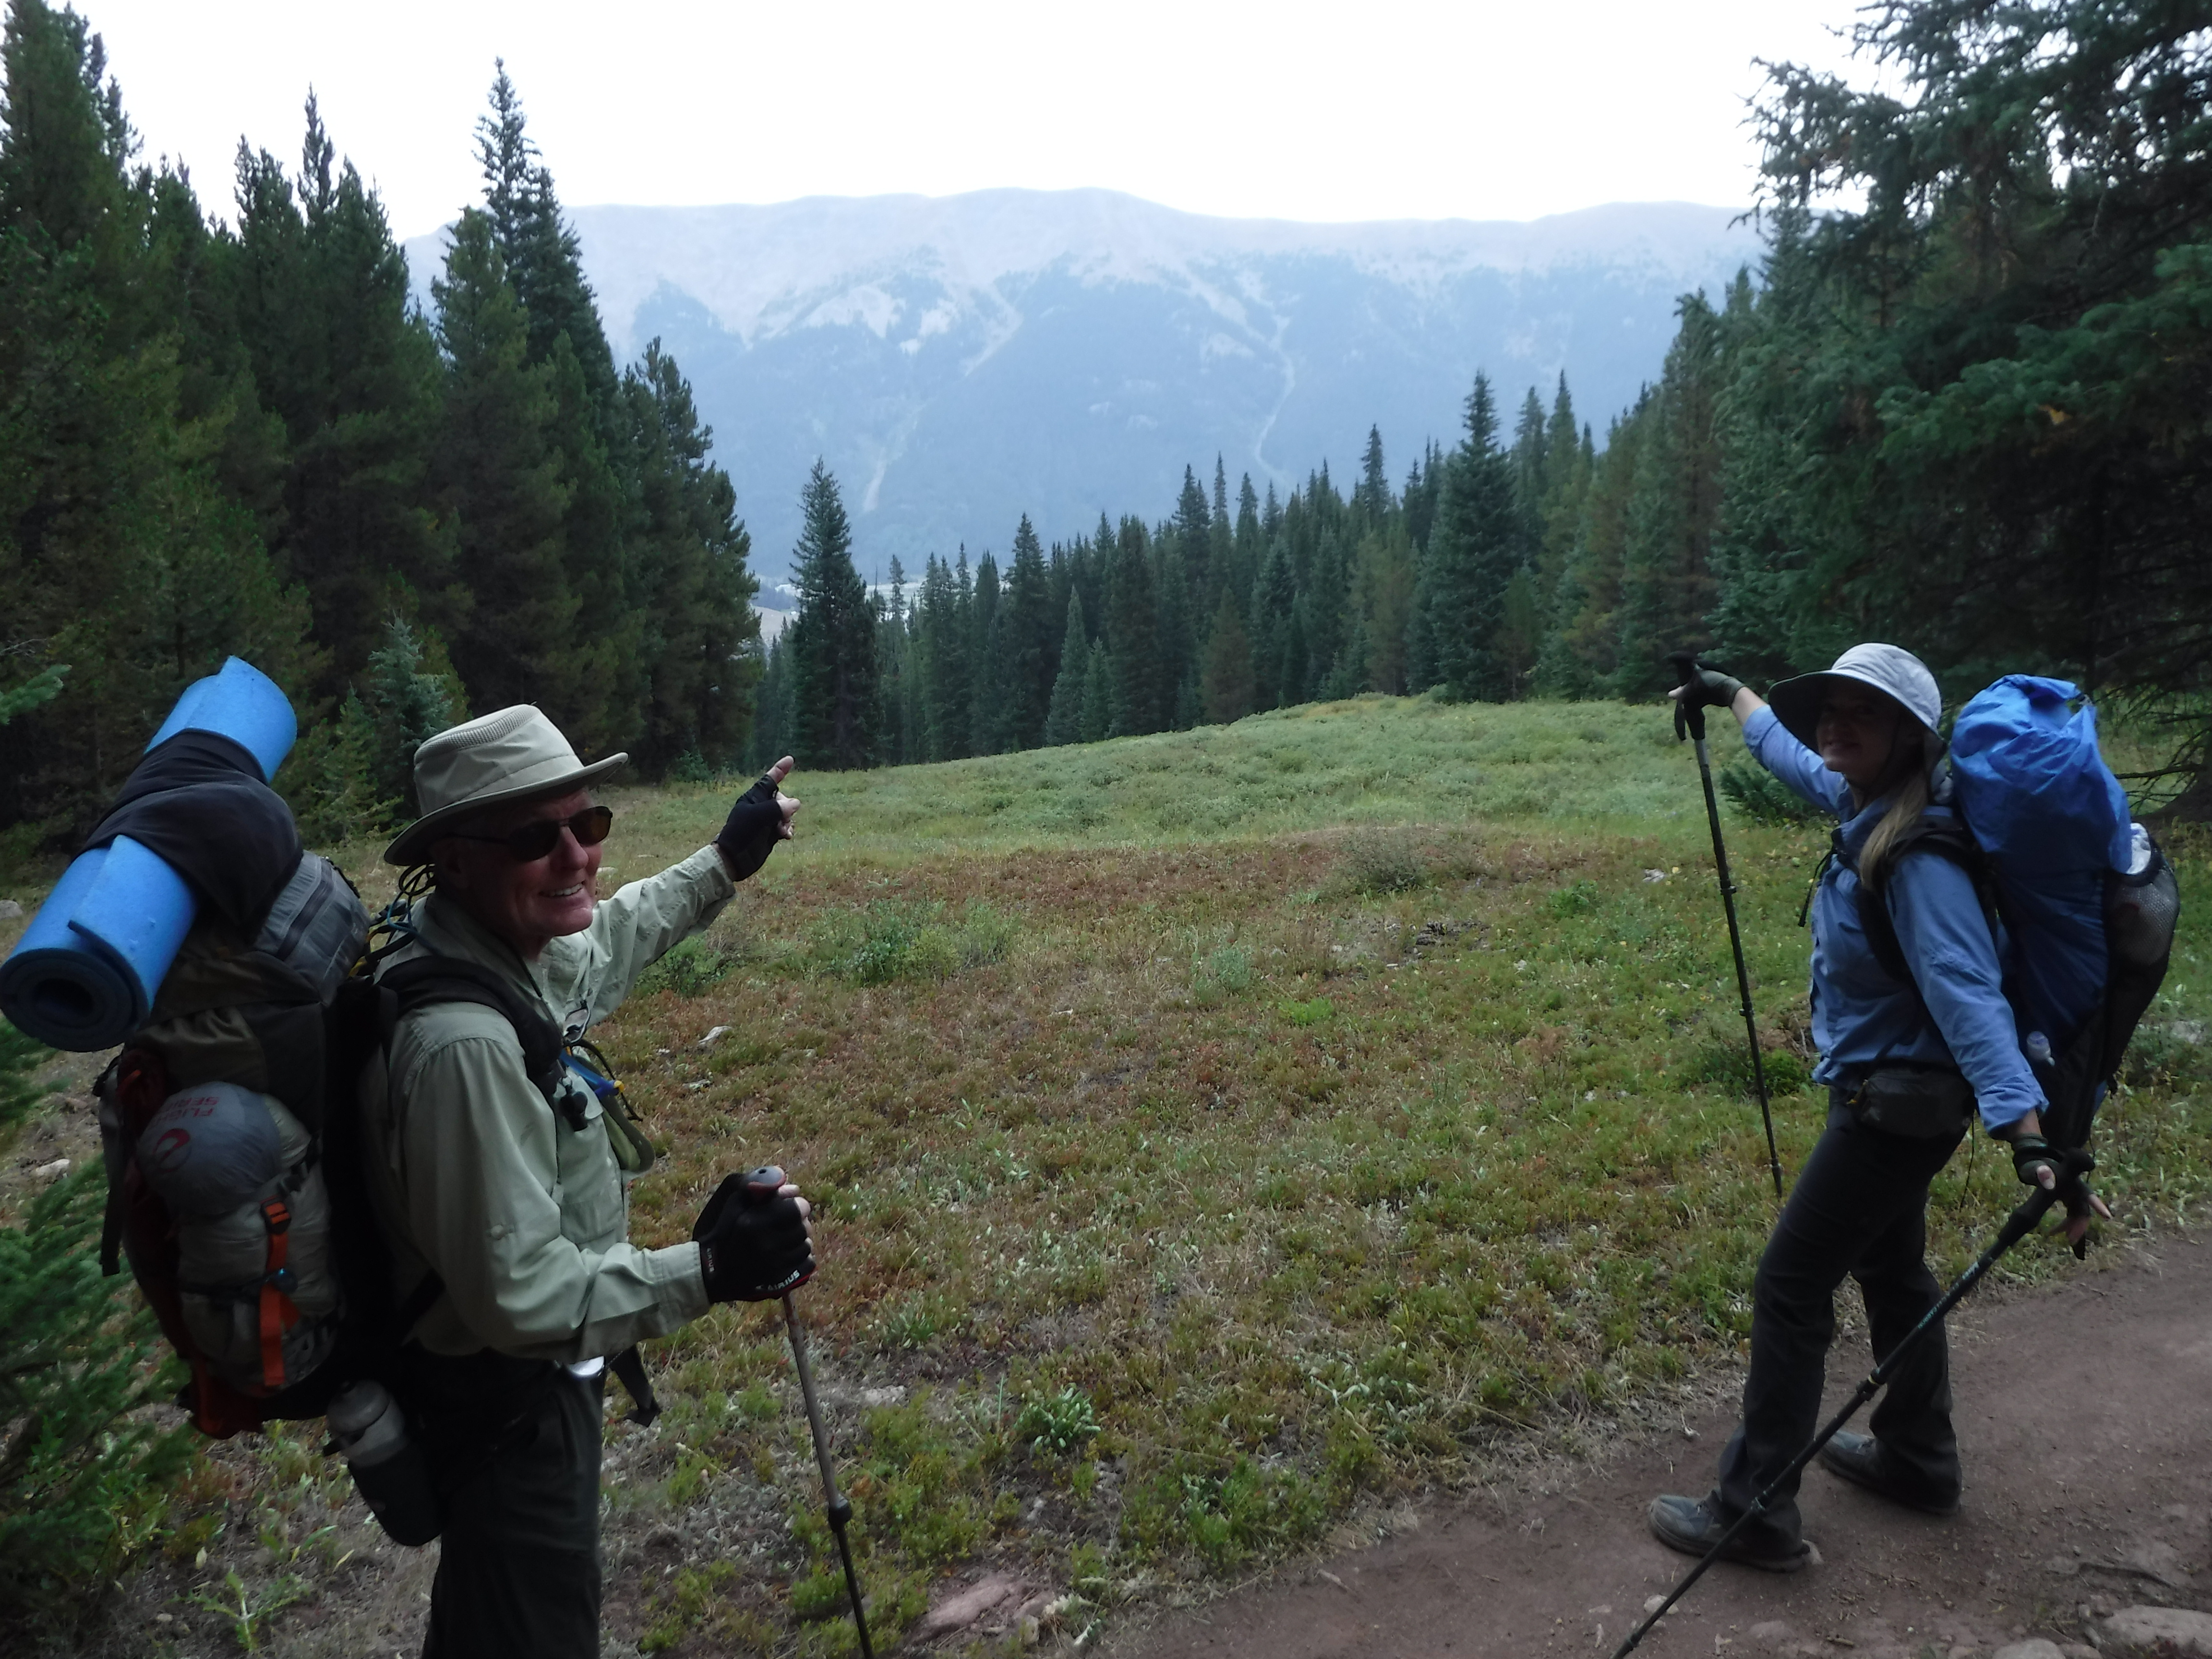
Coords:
2018,1225
1690,722
761,1186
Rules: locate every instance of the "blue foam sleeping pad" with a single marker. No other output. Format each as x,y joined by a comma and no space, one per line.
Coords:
85,973
2036,792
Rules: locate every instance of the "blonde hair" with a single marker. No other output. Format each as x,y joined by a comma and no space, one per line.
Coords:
1913,798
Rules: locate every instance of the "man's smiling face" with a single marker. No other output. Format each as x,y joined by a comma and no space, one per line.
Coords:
524,902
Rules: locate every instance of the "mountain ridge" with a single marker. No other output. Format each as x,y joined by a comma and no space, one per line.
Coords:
959,360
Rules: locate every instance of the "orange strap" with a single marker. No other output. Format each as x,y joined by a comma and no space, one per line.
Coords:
278,1312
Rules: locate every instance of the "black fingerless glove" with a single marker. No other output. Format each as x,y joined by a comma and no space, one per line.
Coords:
1711,688
2032,1154
753,1243
752,829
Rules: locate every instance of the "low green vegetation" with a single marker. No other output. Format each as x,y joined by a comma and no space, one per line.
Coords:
1184,1193
1353,1095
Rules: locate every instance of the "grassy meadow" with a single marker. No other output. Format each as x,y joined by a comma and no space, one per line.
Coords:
1214,1136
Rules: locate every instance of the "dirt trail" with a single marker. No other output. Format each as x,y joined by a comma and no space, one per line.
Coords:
2085,1417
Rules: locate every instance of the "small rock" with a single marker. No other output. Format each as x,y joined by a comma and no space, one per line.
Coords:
1655,875
2155,1633
969,1608
696,1087
2035,1647
707,1041
9,909
1771,1635
893,1395
52,1171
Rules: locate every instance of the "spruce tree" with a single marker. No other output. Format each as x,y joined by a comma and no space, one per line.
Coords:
832,644
1063,721
119,551
499,478
986,664
1471,558
700,636
343,359
1666,581
1099,679
1026,638
1132,634
1227,686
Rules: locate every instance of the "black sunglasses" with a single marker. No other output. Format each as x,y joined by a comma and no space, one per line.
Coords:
541,835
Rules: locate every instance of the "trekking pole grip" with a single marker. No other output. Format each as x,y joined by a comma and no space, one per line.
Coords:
1689,716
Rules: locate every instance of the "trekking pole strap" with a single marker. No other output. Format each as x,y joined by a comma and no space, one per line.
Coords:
2021,1222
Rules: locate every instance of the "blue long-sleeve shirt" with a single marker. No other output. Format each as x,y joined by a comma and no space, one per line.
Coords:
1864,1017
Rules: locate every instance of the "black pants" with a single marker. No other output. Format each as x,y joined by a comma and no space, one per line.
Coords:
518,1445
1860,1206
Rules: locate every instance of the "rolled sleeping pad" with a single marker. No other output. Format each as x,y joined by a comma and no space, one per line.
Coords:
241,703
85,974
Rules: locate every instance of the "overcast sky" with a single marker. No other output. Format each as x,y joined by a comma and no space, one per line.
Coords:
1386,109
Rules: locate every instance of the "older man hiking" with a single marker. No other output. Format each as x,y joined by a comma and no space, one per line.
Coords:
499,1174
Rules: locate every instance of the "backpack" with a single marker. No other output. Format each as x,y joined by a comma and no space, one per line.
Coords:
232,1131
2084,896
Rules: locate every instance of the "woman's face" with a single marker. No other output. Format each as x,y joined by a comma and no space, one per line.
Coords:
1859,733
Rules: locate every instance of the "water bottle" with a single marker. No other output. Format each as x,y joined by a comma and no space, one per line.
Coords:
2142,908
388,1463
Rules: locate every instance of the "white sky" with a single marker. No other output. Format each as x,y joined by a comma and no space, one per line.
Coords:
1278,109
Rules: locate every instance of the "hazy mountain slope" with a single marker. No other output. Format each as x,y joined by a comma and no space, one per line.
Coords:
960,360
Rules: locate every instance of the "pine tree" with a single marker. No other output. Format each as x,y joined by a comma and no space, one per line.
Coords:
499,479
1064,721
1026,637
1471,558
1383,598
1666,581
1227,687
699,637
119,552
351,369
544,263
986,664
832,644
1099,681
1132,634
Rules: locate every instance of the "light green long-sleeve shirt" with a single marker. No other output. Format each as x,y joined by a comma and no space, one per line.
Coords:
474,1175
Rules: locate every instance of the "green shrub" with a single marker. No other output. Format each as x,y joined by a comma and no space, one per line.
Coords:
1057,1423
77,1470
1762,797
894,940
1378,859
693,966
1578,899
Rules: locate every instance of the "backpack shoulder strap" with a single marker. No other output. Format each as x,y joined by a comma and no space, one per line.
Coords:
421,982
1951,841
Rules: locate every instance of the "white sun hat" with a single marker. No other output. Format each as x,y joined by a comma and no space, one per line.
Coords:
1890,669
513,755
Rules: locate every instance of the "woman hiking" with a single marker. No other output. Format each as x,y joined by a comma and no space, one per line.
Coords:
1914,1037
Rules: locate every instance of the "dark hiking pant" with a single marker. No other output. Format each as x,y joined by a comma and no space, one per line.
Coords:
519,1571
1860,1206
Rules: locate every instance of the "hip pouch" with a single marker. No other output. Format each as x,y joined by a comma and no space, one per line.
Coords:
1920,1102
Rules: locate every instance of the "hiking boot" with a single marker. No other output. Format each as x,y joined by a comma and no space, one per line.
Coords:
1694,1525
1859,1459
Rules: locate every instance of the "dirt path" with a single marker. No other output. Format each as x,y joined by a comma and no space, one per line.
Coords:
2085,1416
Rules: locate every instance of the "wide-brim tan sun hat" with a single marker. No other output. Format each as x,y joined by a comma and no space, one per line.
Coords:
1890,669
513,754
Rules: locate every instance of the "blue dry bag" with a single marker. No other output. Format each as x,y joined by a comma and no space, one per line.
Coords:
2042,803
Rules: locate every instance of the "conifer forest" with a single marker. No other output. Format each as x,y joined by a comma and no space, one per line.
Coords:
1962,403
